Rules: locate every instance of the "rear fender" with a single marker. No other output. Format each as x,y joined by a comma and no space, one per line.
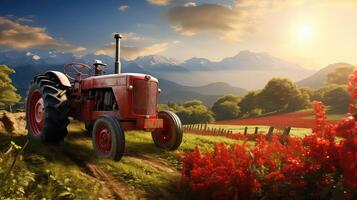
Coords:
61,77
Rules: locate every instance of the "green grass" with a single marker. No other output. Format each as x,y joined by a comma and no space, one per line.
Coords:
58,169
298,132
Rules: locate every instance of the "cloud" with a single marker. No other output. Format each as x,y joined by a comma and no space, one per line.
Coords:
176,42
230,22
159,2
192,19
123,8
25,19
34,56
188,4
131,52
13,34
131,36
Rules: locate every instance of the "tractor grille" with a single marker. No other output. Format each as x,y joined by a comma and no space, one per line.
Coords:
145,97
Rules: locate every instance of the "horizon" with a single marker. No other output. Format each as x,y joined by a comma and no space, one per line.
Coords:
300,34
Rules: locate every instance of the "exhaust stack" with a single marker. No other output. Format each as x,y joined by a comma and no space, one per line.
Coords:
117,64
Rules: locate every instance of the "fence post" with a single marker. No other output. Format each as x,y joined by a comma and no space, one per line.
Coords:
245,130
287,131
270,133
256,130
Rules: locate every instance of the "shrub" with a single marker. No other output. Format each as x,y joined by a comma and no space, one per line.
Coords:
226,107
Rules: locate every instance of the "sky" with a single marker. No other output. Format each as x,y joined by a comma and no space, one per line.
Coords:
312,33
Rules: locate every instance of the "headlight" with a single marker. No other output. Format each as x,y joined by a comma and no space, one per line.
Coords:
130,87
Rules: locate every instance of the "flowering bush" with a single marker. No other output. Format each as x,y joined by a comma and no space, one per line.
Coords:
322,165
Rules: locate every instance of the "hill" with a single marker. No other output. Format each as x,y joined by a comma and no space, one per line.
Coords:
319,78
209,93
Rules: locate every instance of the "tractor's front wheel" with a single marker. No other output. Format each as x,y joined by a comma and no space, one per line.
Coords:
47,110
108,138
170,136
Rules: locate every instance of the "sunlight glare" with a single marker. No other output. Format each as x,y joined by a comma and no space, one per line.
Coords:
304,33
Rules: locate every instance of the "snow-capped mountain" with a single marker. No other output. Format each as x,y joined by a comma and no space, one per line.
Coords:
248,60
159,63
199,64
154,60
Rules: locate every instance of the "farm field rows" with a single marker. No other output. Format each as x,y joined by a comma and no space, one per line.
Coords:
303,119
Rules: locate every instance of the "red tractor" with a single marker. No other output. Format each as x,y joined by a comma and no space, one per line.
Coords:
108,105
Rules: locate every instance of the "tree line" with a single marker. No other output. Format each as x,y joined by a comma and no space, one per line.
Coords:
278,95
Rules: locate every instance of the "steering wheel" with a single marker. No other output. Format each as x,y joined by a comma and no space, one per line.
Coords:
77,71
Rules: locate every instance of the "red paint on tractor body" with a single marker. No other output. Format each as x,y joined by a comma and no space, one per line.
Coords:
135,97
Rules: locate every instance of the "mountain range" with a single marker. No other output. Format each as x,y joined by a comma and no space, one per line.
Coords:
247,69
195,78
28,64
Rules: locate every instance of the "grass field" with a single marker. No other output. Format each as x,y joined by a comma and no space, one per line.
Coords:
70,169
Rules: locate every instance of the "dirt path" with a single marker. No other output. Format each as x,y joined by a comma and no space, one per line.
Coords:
113,188
154,162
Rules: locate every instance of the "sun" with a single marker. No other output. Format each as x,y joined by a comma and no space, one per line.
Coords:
304,33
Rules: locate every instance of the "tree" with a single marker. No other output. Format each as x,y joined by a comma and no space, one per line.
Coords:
280,94
307,92
338,98
340,75
170,106
248,103
192,112
318,95
226,107
8,95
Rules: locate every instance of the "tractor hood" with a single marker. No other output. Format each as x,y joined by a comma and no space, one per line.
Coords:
112,80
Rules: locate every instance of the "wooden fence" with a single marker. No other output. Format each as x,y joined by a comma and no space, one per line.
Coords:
204,129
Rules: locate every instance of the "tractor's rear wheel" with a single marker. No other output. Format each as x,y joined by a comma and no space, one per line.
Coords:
108,138
170,136
47,110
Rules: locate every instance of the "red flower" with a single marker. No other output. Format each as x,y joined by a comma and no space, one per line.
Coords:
283,167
